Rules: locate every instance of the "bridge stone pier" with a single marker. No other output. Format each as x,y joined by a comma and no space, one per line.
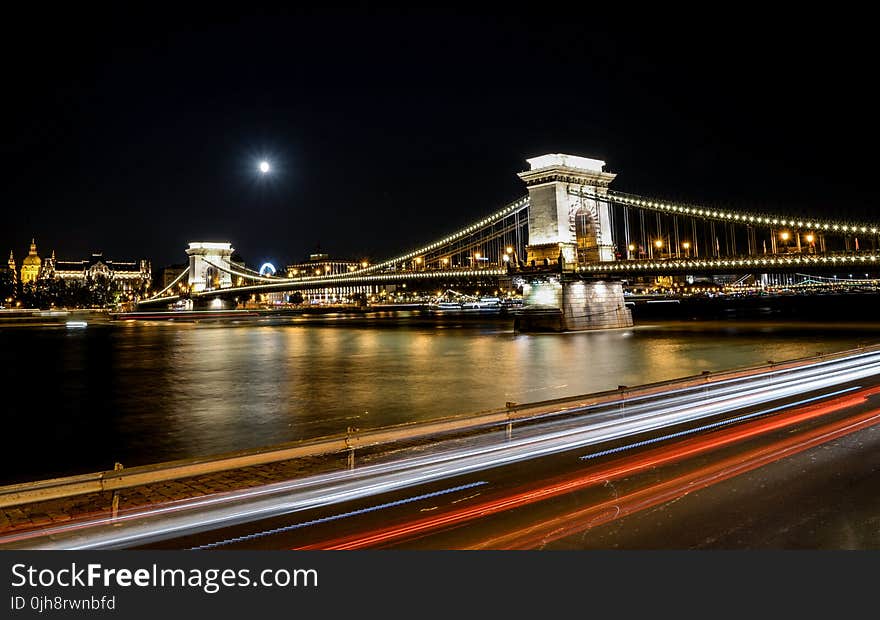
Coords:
204,258
569,224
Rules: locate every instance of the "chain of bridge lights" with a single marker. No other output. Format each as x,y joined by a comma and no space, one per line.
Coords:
255,274
175,281
835,279
510,209
669,265
240,274
734,217
471,245
230,271
349,277
360,276
357,278
620,198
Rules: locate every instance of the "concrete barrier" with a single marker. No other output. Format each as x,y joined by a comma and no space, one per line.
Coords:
355,439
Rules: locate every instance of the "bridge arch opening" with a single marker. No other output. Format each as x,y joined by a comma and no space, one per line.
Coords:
586,233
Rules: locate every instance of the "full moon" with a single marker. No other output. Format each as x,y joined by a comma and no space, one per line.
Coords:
264,167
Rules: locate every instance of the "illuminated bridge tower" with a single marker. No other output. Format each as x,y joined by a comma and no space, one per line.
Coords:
209,265
569,224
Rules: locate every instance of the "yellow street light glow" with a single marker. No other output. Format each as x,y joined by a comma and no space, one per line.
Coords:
632,247
658,243
419,260
784,235
509,250
809,238
685,244
477,255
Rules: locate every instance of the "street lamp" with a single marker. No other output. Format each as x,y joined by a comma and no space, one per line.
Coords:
785,236
686,246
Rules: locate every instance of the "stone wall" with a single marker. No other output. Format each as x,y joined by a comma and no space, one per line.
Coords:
549,305
594,305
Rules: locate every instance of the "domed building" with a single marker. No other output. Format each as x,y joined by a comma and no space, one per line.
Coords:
31,265
127,276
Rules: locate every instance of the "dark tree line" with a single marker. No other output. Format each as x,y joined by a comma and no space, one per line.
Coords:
97,292
8,290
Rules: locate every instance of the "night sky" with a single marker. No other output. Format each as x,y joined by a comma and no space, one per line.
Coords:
133,131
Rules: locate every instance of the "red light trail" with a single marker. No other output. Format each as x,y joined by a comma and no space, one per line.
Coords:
643,498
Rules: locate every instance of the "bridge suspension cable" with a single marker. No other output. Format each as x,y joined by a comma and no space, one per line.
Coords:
513,208
242,274
737,217
175,281
256,274
681,237
460,237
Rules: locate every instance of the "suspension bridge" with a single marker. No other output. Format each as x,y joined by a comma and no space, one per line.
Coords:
568,244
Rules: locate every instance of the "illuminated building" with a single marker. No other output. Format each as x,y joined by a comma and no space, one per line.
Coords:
321,265
31,265
172,272
11,266
126,275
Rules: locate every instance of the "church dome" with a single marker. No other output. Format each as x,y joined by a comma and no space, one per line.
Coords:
31,265
32,259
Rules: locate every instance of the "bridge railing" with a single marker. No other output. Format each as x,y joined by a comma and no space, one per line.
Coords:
756,263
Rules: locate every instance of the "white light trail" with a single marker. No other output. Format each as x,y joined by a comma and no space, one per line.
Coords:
595,425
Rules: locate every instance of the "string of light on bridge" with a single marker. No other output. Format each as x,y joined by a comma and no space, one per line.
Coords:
510,209
421,255
669,265
735,217
361,278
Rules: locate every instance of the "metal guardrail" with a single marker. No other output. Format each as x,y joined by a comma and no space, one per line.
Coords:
354,439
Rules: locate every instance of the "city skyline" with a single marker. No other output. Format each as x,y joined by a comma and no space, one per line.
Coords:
385,129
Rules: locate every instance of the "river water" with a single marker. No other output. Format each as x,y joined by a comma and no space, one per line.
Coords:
78,400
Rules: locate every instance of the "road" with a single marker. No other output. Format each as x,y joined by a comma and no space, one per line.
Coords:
760,461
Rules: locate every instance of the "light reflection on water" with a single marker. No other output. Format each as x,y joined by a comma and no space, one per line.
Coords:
150,392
